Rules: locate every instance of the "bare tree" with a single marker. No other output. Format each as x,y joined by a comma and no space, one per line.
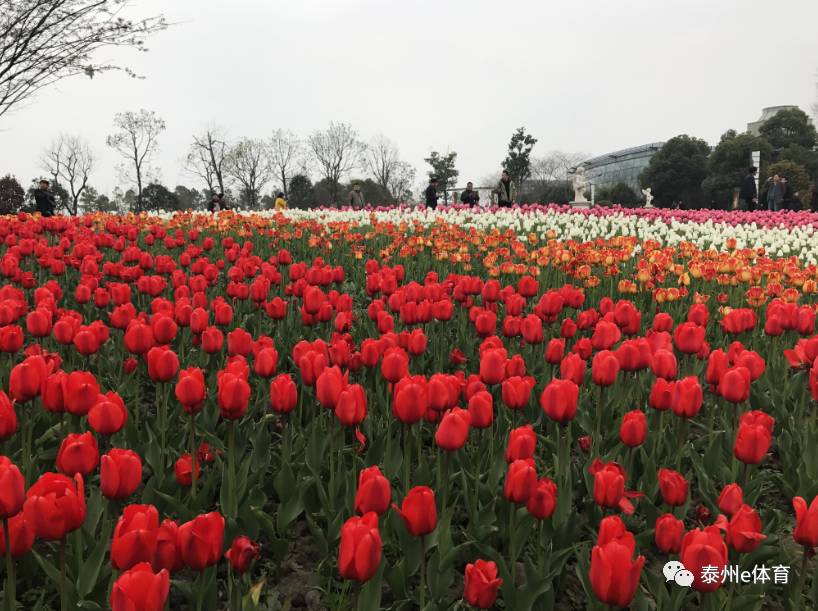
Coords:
136,141
248,163
336,151
70,161
555,165
382,158
44,41
286,152
401,180
206,158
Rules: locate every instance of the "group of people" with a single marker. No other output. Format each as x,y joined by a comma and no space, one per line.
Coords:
777,194
505,193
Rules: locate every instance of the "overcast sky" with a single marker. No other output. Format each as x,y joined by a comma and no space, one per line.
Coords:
592,75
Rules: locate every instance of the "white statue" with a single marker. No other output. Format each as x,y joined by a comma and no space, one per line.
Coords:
648,197
579,186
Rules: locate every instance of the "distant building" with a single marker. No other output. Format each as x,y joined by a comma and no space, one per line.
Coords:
620,166
768,113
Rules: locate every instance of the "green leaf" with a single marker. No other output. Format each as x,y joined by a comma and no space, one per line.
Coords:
288,512
370,595
91,567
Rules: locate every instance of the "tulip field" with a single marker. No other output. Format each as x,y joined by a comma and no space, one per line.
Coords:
537,408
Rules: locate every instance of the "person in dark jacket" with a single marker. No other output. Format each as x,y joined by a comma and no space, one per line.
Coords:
214,205
505,191
813,198
431,193
470,197
44,199
749,190
789,199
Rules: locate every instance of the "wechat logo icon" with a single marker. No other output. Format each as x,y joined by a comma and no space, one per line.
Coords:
676,571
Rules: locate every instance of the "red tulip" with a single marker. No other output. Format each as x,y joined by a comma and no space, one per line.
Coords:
752,443
516,391
395,365
521,443
744,530
734,384
283,394
350,408
453,430
673,487
55,505
374,492
359,554
634,428
120,473
480,584
12,489
108,415
138,338
609,483
191,389
521,479
328,386
614,574
233,395
806,522
81,392
543,499
8,417
493,366
239,341
669,533
689,337
704,548
162,364
573,368
481,409
242,553
183,470
212,340
265,362
167,550
79,453
687,397
730,499
559,400
22,535
663,364
135,535
419,511
140,588
604,368
410,401
26,379
201,540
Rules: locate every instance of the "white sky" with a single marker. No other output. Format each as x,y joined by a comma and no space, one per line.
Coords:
581,75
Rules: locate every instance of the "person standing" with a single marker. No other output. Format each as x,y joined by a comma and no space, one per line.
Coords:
280,203
749,190
431,193
44,199
214,205
356,197
775,193
789,199
813,198
505,191
470,197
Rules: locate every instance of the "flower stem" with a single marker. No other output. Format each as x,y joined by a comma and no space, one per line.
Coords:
63,586
193,457
11,583
231,469
422,593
